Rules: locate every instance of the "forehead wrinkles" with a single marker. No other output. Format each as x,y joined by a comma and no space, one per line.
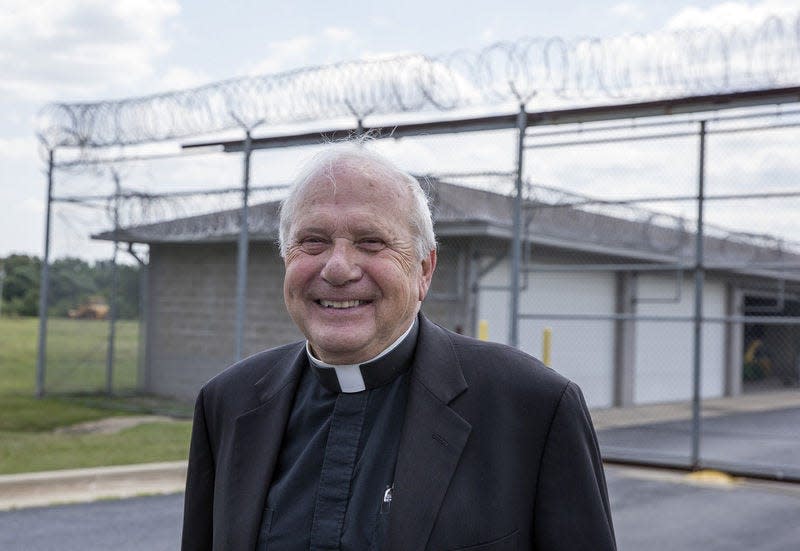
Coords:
360,181
351,224
344,185
380,192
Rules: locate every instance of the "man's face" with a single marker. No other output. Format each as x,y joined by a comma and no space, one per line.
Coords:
353,281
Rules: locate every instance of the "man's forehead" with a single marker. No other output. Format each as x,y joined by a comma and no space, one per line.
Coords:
356,218
344,180
357,205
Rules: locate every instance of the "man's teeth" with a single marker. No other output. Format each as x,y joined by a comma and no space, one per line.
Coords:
341,304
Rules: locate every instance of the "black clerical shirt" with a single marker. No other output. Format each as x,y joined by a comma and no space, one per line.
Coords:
333,480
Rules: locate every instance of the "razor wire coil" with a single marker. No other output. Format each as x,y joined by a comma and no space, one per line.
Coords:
549,69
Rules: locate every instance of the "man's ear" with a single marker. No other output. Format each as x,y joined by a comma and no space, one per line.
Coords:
428,266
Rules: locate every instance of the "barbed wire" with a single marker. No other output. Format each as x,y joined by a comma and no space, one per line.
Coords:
197,215
655,65
661,231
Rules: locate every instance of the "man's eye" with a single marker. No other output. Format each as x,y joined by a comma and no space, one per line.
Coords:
313,245
372,245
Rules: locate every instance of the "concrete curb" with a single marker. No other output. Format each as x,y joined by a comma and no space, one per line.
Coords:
81,485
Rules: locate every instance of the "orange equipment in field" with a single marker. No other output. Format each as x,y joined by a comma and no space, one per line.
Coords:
94,308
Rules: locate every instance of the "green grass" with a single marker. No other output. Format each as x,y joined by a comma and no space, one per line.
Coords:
75,378
30,451
76,355
17,355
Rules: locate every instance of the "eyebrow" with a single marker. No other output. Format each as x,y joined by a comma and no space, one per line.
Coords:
309,229
357,228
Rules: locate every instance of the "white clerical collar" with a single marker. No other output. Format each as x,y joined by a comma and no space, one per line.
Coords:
350,377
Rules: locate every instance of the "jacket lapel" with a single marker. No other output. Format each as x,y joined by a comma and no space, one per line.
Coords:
433,438
256,445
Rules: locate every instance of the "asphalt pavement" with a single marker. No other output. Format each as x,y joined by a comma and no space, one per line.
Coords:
756,435
764,443
658,510
653,510
135,524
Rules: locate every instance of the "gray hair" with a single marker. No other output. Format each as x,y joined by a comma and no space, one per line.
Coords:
353,154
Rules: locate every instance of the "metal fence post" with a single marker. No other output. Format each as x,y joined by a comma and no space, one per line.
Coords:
112,323
698,303
516,243
142,373
44,281
244,239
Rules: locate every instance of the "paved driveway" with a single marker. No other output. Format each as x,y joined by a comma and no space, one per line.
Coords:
761,442
653,511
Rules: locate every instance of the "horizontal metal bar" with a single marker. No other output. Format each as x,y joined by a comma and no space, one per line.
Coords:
481,174
755,128
763,320
604,317
617,139
396,131
565,268
776,265
776,268
764,195
134,158
656,124
90,205
670,199
82,199
166,195
661,136
692,104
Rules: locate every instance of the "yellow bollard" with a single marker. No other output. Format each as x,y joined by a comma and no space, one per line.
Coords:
547,345
483,330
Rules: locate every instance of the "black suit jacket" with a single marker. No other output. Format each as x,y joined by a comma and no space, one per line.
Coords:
497,453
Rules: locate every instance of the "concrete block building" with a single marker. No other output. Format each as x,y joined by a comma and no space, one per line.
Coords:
614,291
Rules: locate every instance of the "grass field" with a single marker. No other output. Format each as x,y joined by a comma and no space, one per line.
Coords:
75,375
76,355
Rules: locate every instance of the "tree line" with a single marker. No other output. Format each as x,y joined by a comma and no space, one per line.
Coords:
73,282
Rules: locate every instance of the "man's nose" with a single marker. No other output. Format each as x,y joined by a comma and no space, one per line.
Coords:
341,266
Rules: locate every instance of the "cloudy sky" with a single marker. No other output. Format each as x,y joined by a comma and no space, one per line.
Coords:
87,50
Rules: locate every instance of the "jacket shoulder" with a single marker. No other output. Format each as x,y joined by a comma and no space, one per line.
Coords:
245,373
488,365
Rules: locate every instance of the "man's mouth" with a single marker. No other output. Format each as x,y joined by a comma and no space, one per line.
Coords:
341,304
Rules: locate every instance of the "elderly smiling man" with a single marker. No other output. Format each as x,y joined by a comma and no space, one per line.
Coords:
382,430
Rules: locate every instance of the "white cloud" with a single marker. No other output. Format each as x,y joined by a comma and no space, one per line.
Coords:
728,14
32,205
331,45
385,55
77,48
338,34
283,55
180,78
379,21
628,10
18,149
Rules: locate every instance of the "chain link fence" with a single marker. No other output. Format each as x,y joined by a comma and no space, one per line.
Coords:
687,349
